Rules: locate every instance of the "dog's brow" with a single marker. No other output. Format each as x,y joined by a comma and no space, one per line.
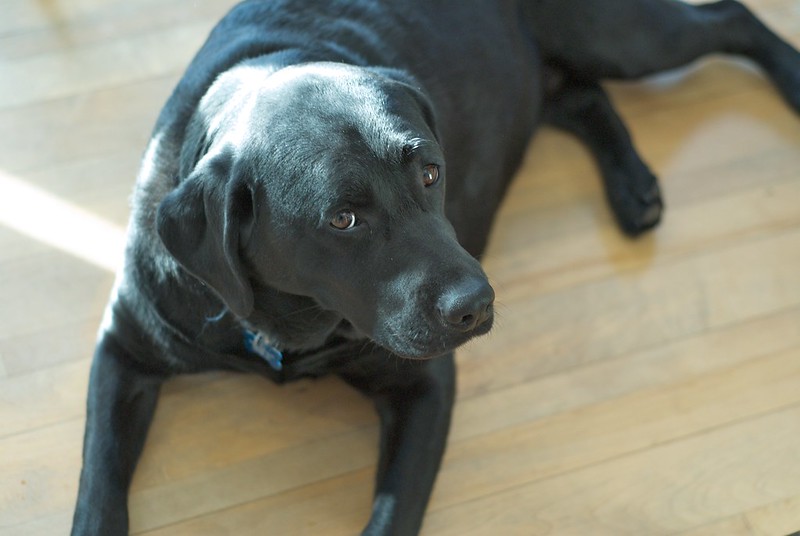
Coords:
412,146
356,194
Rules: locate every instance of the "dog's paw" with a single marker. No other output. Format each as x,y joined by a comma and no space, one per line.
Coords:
783,67
635,200
789,87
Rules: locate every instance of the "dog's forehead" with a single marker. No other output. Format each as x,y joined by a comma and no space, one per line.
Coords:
315,106
329,120
325,81
337,104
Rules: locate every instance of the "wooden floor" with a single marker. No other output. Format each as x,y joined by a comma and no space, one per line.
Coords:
630,387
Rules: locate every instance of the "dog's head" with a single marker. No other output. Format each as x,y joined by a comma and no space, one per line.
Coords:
327,181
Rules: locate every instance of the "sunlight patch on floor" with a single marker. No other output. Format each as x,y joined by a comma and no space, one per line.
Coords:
60,224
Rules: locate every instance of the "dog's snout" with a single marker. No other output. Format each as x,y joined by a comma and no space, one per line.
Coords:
467,305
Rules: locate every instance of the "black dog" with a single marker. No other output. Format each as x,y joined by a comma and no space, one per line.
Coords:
290,217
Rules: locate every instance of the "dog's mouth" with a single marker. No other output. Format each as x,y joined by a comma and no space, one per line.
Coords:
416,343
423,344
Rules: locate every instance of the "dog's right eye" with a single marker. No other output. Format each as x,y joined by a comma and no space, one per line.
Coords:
344,220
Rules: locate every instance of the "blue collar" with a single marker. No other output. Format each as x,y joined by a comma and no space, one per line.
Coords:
257,343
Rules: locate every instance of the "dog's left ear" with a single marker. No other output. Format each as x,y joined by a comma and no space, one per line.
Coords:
205,222
412,87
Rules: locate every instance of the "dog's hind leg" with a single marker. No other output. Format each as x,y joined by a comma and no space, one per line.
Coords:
584,109
120,408
625,39
414,400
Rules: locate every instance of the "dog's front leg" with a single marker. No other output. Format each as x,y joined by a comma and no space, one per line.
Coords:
414,400
119,410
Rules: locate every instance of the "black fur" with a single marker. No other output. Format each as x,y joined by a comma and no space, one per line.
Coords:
296,114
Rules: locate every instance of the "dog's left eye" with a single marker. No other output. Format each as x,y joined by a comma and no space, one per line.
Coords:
344,220
430,174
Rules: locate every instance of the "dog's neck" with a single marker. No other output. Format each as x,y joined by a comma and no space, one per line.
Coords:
292,322
285,322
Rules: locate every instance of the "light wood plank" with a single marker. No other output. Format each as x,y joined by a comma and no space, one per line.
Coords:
659,490
735,526
89,126
780,517
632,311
546,263
484,410
56,322
90,68
608,429
42,398
320,508
49,27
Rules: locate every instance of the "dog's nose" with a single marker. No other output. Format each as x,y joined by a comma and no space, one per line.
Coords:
467,305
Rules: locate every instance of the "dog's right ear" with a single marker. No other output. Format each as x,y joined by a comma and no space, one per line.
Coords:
205,222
